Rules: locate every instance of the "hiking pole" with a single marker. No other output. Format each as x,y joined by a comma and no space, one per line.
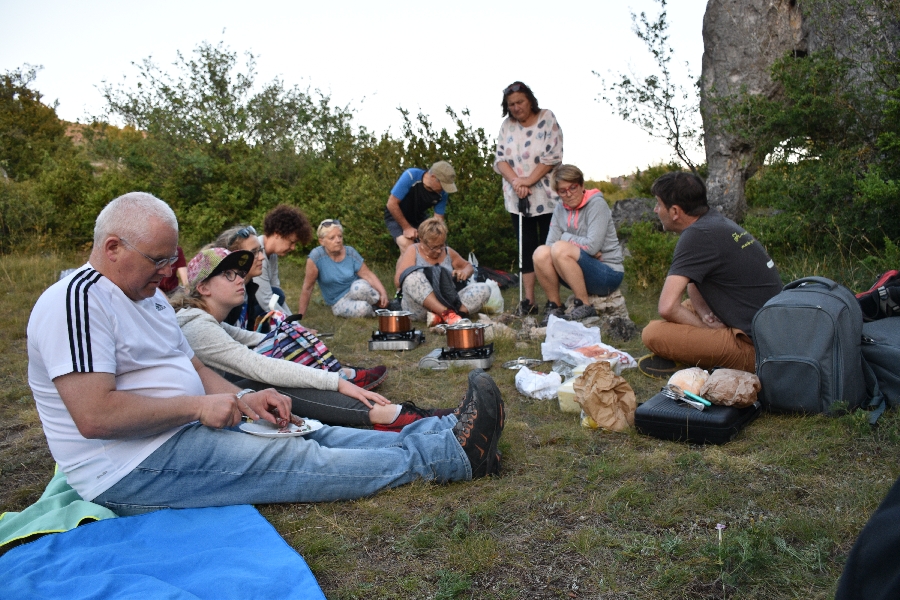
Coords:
523,210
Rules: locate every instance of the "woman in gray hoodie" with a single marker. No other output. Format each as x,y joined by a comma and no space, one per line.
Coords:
582,250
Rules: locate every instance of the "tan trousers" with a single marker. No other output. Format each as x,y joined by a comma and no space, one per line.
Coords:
700,346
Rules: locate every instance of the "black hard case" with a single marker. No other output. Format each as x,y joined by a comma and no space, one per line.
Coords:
664,418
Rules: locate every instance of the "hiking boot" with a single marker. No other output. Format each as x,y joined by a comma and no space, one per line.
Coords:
581,311
369,379
658,367
525,308
552,308
481,420
410,413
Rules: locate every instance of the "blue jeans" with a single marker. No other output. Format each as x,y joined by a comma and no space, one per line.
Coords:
200,466
599,278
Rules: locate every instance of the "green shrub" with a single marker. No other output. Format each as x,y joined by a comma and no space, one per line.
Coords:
651,254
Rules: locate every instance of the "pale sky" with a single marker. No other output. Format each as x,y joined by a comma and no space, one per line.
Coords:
374,57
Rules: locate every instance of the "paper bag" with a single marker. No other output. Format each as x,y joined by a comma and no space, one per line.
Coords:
605,397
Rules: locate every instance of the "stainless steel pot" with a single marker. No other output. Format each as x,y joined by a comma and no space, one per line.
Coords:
393,321
465,335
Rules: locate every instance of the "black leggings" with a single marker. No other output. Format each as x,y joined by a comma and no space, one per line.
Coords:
332,408
534,233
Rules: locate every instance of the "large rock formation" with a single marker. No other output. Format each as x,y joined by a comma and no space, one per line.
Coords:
741,40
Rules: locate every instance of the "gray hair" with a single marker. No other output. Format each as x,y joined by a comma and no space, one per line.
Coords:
128,216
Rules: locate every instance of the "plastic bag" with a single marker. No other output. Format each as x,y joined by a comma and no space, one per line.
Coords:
579,345
690,380
537,385
565,335
494,304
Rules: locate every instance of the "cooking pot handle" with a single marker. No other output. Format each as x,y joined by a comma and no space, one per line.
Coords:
382,312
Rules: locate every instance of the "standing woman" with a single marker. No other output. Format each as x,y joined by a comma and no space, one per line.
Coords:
529,148
348,285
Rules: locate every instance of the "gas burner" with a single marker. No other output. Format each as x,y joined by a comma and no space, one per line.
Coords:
404,340
466,353
441,359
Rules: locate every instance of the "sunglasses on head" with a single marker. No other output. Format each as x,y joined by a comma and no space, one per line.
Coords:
243,233
330,222
516,87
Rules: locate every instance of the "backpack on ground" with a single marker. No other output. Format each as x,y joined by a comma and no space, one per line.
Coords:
882,299
808,355
503,279
881,354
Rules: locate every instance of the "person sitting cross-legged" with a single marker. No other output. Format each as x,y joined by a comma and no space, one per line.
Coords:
582,250
420,296
727,276
138,423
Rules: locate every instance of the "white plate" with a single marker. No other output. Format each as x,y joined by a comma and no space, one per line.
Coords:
266,429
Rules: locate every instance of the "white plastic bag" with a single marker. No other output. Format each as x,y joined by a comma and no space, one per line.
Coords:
494,305
565,335
564,338
537,385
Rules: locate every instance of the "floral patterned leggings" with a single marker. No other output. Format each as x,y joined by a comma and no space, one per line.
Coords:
416,288
358,302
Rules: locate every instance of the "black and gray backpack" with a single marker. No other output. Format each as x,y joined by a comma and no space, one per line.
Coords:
808,356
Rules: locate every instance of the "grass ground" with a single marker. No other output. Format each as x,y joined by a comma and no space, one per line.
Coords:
577,513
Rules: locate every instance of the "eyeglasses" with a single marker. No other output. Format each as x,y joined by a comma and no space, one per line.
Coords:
159,263
257,251
232,274
433,250
329,223
567,191
243,233
516,87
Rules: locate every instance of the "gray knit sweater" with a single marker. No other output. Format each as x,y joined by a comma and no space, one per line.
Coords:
225,347
590,227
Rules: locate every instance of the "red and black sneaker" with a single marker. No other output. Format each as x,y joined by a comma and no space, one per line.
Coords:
410,413
480,422
369,379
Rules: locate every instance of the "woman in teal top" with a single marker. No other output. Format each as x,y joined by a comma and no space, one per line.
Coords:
348,286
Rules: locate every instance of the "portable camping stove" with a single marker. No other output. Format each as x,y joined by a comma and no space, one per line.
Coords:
441,359
404,340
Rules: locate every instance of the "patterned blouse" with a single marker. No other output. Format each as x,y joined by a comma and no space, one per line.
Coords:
523,148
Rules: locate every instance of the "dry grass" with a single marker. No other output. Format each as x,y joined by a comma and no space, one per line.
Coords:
576,514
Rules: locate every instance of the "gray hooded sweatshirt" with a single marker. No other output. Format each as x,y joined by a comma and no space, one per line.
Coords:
590,227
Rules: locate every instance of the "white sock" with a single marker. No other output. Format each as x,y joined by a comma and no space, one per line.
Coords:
399,408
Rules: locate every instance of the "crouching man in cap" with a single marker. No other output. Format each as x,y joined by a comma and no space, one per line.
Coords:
138,423
415,193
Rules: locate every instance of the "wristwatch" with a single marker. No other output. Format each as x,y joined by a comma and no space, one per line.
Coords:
243,393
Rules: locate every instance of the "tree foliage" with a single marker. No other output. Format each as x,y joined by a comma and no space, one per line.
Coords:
221,149
656,103
30,131
835,170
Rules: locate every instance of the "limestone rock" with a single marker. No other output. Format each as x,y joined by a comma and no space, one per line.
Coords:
634,210
741,40
613,315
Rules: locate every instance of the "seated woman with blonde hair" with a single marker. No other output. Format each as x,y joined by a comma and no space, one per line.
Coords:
419,296
348,286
